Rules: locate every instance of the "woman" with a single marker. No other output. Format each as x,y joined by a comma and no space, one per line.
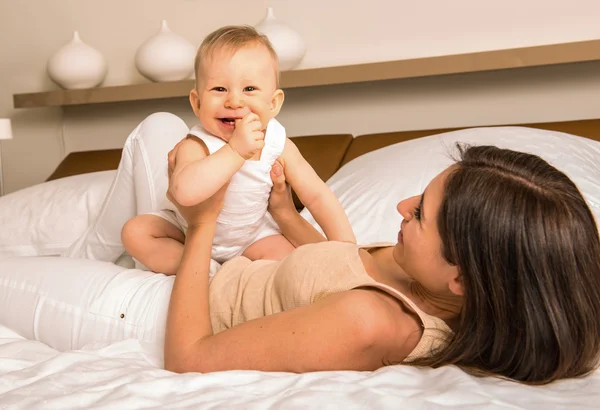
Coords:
496,270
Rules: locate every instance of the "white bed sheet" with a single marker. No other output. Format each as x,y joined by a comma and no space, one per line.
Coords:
124,375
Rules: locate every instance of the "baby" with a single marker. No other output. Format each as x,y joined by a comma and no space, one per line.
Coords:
236,99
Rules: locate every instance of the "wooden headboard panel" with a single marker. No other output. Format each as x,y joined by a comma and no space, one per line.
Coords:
326,153
86,161
323,152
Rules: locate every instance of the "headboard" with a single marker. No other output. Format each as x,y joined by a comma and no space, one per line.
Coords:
326,153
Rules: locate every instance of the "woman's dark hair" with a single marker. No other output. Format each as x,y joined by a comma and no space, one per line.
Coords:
528,253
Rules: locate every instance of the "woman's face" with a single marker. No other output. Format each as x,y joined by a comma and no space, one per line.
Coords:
419,248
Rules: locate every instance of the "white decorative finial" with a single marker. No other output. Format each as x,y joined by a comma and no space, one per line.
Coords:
286,41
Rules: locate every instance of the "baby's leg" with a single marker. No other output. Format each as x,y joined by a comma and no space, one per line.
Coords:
154,242
274,247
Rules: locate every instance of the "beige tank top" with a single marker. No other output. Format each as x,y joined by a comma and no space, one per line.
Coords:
243,290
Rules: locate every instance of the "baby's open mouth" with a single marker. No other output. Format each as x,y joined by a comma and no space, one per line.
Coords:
228,121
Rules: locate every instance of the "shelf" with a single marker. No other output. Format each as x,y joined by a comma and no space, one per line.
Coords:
564,53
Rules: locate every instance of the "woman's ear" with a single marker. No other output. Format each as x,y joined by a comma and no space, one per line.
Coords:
456,285
277,102
195,101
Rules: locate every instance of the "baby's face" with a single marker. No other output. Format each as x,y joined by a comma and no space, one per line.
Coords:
232,85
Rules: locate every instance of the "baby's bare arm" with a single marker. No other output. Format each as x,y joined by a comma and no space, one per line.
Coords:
198,175
316,195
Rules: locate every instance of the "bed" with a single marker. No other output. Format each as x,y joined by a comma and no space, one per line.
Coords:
368,173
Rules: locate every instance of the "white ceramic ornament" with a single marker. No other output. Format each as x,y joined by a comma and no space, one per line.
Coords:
287,43
77,65
166,56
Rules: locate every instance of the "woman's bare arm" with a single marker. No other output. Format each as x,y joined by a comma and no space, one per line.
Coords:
345,331
349,330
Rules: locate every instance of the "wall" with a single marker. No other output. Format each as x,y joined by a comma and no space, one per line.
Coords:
336,32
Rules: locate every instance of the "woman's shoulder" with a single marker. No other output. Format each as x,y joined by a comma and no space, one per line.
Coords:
384,321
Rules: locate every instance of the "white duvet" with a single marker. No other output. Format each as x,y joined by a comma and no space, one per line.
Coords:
124,375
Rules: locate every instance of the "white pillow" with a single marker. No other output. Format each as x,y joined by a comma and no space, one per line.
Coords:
45,219
370,186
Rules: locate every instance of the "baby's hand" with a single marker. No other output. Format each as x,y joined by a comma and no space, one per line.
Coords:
248,137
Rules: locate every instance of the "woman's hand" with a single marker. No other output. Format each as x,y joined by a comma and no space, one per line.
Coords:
172,155
280,200
204,212
294,227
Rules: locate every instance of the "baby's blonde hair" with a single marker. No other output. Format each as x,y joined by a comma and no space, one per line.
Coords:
232,38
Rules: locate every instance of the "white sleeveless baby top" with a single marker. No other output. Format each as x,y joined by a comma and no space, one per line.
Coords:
244,218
